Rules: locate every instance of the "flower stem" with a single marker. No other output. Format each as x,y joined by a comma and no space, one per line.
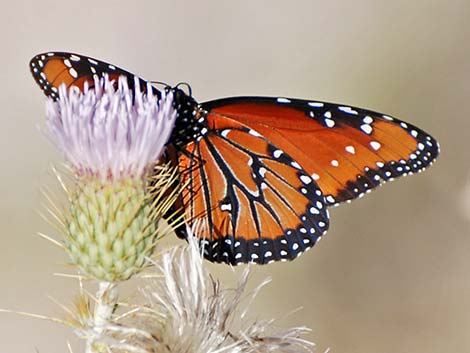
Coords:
106,299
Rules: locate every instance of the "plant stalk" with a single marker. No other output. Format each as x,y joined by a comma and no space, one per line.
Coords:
106,299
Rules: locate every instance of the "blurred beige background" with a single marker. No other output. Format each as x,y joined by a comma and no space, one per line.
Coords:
393,273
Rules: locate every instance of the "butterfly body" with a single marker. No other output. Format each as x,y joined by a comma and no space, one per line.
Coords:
259,173
190,121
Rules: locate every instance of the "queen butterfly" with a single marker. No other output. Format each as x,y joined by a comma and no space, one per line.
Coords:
261,172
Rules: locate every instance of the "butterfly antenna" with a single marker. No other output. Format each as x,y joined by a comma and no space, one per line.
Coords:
164,84
190,91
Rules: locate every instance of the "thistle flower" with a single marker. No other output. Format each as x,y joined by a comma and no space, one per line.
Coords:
108,132
112,136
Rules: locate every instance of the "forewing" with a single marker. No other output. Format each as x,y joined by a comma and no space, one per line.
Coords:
50,70
348,151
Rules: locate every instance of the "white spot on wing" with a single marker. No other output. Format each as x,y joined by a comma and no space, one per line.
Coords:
366,128
316,104
295,165
330,123
350,149
73,72
314,210
283,100
305,179
368,120
375,145
348,110
226,207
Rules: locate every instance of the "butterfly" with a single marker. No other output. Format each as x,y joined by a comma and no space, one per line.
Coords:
260,173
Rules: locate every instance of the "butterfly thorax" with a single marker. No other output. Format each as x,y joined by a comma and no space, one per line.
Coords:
190,121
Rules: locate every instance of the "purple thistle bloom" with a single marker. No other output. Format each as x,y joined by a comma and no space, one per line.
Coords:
110,132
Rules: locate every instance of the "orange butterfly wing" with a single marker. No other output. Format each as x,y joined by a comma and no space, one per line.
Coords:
50,70
249,201
347,151
261,173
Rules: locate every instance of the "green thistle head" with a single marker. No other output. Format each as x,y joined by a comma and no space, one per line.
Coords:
110,229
